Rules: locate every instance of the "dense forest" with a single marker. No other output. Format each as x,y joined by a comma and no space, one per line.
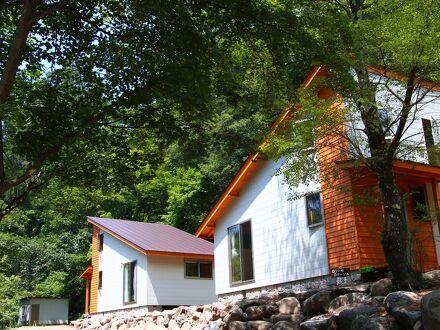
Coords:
144,111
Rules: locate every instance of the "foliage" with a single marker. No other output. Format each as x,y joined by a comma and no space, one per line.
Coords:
12,289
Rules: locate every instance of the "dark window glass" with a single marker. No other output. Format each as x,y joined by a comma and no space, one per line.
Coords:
191,269
431,148
100,280
101,242
240,246
206,270
129,282
314,209
419,203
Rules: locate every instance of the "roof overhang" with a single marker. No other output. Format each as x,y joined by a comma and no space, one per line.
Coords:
402,167
87,273
151,252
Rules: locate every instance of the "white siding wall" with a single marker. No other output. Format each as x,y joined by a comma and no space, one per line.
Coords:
284,247
167,284
428,108
114,254
52,311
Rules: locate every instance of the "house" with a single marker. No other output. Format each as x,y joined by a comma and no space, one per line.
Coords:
264,238
43,311
152,265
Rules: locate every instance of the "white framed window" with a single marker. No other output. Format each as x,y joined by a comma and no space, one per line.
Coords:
129,282
198,269
314,209
240,253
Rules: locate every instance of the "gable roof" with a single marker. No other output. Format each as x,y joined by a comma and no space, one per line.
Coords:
206,228
155,238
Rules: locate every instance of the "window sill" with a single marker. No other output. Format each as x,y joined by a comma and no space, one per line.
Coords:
315,225
242,283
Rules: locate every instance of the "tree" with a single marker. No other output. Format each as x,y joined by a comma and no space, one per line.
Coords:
349,37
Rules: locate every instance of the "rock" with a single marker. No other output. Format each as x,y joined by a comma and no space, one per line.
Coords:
314,325
206,317
289,305
363,322
285,325
245,303
430,309
378,301
185,326
235,315
432,277
172,323
291,318
259,325
151,325
350,299
406,318
123,327
347,316
405,299
318,303
259,312
381,287
237,325
301,296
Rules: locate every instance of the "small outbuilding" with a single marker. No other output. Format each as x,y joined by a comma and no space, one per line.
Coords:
46,311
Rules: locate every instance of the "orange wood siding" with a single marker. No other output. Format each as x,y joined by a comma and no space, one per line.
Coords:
95,275
340,228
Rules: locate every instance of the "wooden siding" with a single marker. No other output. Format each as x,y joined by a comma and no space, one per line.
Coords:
95,274
340,227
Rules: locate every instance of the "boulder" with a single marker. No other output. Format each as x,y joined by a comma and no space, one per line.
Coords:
363,322
407,318
350,299
151,325
259,312
291,318
432,277
285,325
378,301
318,303
289,305
404,299
234,315
237,325
259,325
347,316
214,325
245,303
314,325
301,296
381,287
430,309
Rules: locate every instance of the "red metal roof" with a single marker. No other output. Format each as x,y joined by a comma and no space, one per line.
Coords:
154,238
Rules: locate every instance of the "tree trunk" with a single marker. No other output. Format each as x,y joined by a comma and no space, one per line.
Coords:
395,237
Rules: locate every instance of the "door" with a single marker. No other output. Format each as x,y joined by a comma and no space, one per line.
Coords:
435,226
35,313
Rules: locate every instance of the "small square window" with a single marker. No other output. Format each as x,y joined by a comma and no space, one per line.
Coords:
205,270
314,209
191,269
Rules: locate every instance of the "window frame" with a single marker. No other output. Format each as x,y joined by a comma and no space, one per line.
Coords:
101,242
100,280
198,262
317,224
241,282
134,282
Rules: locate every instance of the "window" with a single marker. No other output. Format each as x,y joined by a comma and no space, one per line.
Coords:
419,203
101,242
100,280
386,122
129,294
240,257
433,153
314,209
198,269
